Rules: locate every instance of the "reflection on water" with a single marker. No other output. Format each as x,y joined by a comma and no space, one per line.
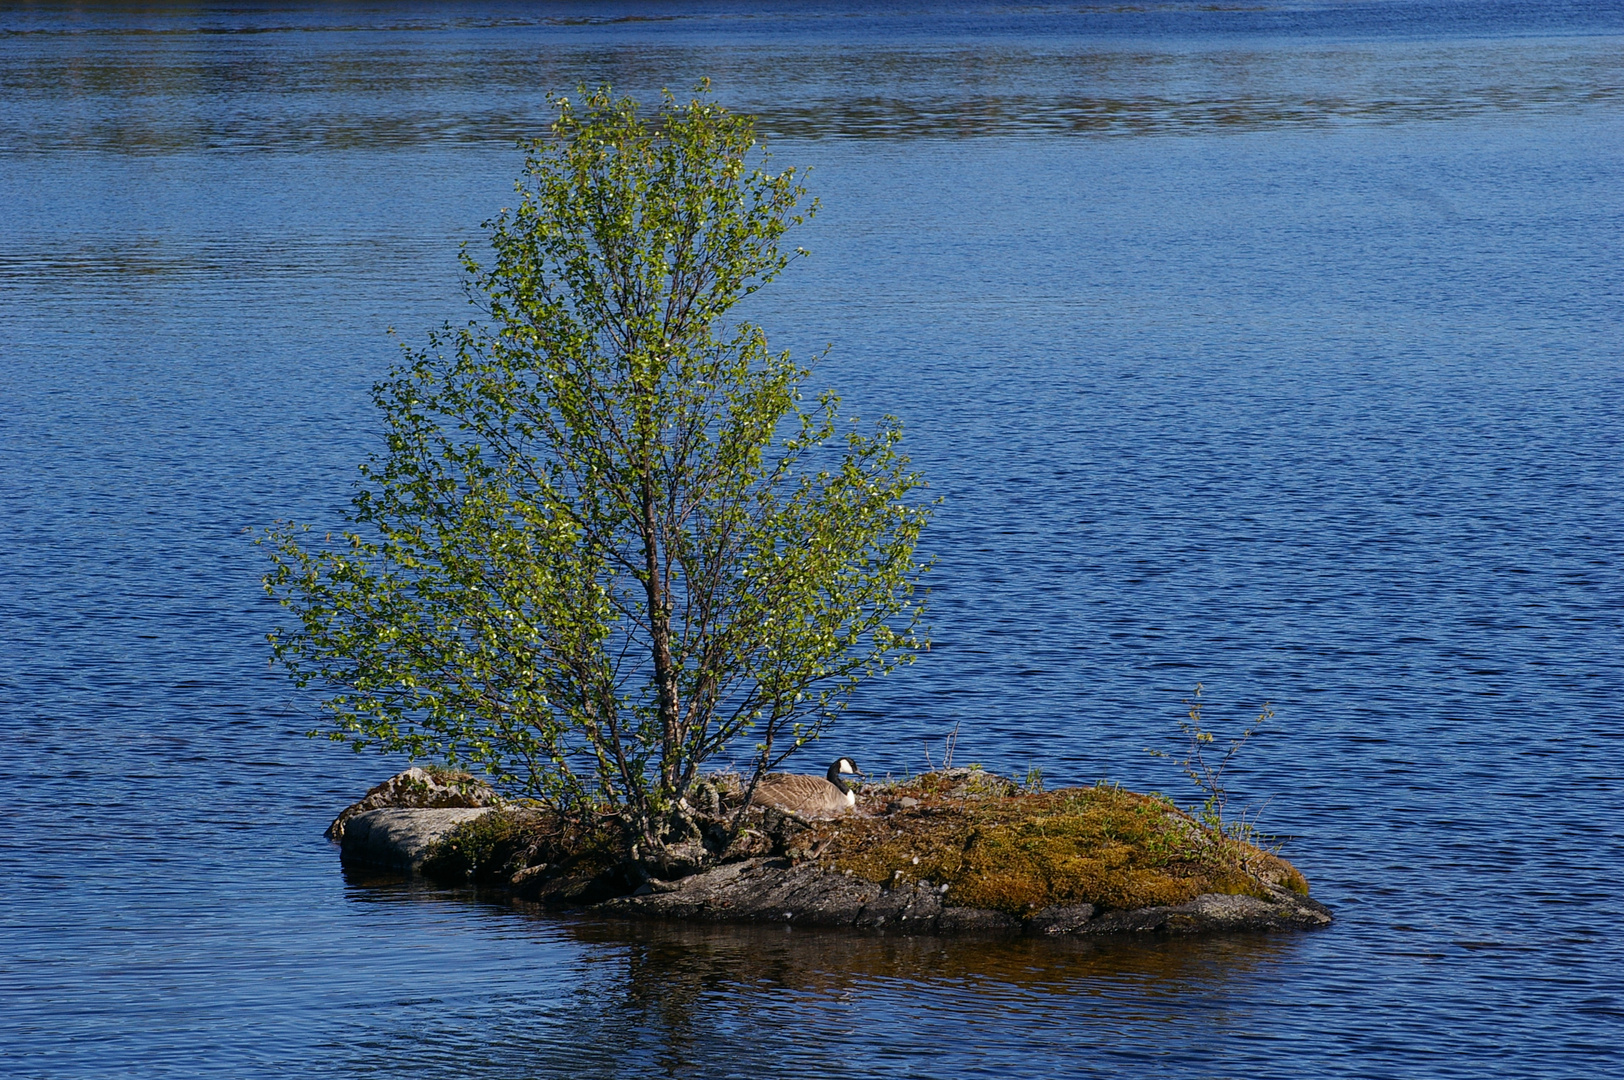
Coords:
681,960
1329,413
679,999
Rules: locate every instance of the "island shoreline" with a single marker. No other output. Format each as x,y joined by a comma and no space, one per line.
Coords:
794,874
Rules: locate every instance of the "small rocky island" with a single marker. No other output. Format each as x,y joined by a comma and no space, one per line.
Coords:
955,851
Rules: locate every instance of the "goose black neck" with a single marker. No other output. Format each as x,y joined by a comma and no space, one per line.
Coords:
834,778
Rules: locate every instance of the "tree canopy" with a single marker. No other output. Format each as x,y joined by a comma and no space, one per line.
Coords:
607,537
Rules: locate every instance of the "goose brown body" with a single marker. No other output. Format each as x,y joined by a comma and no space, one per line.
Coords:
809,796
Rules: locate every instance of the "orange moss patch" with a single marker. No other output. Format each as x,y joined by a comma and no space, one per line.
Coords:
1020,852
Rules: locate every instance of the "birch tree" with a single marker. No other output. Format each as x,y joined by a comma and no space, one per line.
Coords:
608,538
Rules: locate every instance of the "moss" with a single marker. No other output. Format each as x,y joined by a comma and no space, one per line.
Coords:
495,846
1020,852
993,844
478,849
453,778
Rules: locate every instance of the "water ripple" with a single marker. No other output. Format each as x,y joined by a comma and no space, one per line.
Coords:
1318,402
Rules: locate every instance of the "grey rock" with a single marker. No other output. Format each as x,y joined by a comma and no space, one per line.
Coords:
399,838
1060,920
813,897
912,908
969,920
776,890
420,788
529,873
759,890
1217,913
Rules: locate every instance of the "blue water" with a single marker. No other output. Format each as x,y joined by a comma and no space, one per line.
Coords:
1276,347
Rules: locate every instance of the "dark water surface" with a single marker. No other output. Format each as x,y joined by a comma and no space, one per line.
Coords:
1274,346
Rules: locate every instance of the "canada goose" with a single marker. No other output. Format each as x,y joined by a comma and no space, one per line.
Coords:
810,796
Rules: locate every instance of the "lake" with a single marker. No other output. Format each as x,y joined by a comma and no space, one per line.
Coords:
1276,347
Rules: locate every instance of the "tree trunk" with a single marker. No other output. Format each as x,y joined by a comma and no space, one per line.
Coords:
659,622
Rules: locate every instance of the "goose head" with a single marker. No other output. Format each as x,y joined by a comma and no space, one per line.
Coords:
843,767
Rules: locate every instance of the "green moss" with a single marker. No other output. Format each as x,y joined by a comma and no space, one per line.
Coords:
1019,853
479,849
494,846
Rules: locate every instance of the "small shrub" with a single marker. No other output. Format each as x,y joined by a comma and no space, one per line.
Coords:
1209,775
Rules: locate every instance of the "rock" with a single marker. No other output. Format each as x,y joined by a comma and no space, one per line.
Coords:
911,908
969,920
1217,913
528,873
578,890
758,890
964,783
399,838
417,787
679,860
775,890
1060,920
